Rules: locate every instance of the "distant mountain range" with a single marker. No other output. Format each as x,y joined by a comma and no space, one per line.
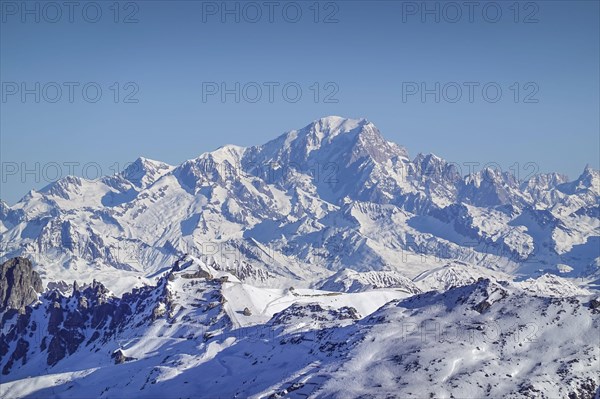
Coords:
332,195
325,263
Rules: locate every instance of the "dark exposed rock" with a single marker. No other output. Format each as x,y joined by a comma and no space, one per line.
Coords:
94,337
101,313
482,306
56,350
74,320
199,274
56,317
20,352
60,286
348,312
71,338
120,314
96,290
120,357
19,284
315,312
93,308
3,345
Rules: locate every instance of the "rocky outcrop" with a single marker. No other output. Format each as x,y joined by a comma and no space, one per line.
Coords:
71,318
120,358
19,284
88,317
309,312
91,311
199,274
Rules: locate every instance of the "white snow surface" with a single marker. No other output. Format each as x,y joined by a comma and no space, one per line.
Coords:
473,340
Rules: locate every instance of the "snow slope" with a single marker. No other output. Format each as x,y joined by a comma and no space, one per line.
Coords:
185,340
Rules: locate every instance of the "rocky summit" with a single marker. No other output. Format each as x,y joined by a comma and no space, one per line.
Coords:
20,284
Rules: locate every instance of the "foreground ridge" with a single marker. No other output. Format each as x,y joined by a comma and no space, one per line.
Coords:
188,336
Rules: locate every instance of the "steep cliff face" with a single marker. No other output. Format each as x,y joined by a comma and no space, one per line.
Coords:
19,285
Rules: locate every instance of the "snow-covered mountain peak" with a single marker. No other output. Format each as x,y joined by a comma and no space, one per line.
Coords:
328,196
324,140
322,132
209,168
230,153
221,164
64,187
491,187
429,158
589,179
330,126
143,171
490,175
430,166
547,180
336,157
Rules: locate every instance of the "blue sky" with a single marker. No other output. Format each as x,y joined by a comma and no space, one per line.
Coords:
370,58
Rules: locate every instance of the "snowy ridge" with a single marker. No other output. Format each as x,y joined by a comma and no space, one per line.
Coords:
454,275
347,280
183,339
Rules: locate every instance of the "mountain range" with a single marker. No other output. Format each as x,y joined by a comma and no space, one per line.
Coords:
324,263
332,195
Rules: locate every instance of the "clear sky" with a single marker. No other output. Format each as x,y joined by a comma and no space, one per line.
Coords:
373,57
